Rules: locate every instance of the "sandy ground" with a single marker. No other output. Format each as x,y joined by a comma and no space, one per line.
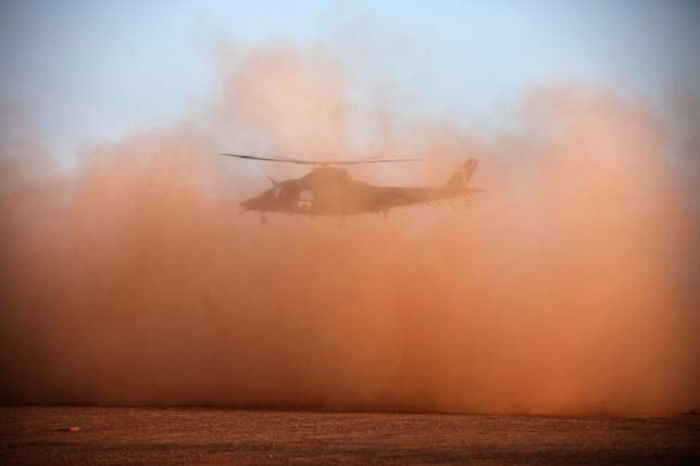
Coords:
40,435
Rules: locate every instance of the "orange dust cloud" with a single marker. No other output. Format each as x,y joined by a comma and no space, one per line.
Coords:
134,280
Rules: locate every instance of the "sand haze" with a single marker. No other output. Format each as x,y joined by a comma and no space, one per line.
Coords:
132,278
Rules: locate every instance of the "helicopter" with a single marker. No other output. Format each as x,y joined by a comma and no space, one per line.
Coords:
328,189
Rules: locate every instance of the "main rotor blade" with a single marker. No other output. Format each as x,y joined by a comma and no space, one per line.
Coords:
315,162
271,159
371,160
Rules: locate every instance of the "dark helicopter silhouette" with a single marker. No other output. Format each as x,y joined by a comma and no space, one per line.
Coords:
330,190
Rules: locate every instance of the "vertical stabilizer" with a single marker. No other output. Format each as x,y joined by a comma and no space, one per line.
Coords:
460,180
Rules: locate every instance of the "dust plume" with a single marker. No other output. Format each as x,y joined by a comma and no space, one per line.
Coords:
133,280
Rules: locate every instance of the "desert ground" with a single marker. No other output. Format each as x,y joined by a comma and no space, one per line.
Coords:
103,436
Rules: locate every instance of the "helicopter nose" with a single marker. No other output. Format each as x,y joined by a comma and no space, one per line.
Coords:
248,204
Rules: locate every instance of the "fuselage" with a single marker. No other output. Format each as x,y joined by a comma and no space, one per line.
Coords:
331,191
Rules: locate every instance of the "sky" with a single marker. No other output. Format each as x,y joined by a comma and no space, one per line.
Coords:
90,71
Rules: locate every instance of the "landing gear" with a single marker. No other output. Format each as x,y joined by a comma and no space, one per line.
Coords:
263,219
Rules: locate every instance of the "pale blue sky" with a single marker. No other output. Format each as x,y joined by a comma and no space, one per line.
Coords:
99,70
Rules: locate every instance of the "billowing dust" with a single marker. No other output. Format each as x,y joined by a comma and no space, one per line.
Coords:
567,288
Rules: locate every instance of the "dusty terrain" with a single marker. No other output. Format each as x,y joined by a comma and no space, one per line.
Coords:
42,435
